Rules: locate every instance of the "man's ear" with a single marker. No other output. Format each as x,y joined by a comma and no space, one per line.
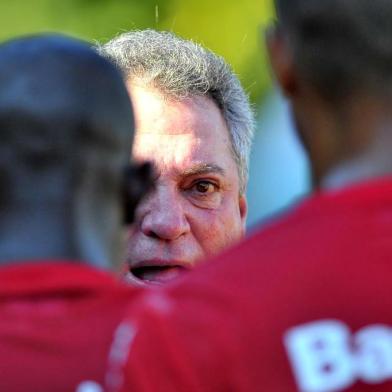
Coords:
281,60
243,206
138,181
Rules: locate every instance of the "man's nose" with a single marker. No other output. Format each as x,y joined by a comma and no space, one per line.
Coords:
164,216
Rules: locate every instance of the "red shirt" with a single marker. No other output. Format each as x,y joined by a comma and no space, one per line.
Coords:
61,328
303,305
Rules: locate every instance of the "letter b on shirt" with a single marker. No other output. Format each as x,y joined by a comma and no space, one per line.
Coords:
320,356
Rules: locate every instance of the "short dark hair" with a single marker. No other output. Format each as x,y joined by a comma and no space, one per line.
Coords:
340,46
58,100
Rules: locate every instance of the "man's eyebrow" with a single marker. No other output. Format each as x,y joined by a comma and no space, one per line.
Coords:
202,168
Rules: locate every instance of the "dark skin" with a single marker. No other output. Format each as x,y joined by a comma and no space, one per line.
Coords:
346,142
67,130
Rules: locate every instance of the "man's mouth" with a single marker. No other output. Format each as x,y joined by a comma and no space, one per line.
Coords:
157,274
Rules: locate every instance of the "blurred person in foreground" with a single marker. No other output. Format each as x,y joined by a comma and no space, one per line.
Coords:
66,130
194,121
304,304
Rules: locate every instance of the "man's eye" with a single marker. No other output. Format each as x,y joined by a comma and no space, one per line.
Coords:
205,193
204,187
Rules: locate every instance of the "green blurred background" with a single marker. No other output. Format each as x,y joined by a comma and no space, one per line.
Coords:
231,28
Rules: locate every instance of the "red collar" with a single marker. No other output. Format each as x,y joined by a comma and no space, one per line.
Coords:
362,194
43,276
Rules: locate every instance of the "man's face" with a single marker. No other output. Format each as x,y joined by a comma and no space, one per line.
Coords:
195,209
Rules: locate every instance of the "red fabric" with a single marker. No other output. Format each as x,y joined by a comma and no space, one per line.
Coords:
57,323
221,328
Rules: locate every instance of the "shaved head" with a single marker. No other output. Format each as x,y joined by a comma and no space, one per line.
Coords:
66,134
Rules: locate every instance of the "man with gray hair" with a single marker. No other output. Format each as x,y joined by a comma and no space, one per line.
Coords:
194,122
304,305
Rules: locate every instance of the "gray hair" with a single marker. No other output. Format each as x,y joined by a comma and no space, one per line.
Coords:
340,46
181,68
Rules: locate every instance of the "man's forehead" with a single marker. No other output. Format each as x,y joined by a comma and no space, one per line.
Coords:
182,144
181,138
183,153
154,110
161,146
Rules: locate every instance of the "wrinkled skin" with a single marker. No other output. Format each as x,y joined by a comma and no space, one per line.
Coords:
195,209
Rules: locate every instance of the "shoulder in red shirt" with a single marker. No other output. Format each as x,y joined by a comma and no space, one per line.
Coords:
303,305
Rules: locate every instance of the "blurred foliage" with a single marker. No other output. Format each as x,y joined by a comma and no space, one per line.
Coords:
231,28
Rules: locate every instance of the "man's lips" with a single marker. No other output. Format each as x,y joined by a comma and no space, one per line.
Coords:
158,271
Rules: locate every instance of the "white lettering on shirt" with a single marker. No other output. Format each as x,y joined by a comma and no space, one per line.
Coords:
326,357
89,386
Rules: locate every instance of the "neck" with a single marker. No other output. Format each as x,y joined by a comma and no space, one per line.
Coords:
36,234
374,162
46,233
351,143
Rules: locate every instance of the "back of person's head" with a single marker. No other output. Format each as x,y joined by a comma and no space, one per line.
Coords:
181,68
66,128
340,46
333,60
